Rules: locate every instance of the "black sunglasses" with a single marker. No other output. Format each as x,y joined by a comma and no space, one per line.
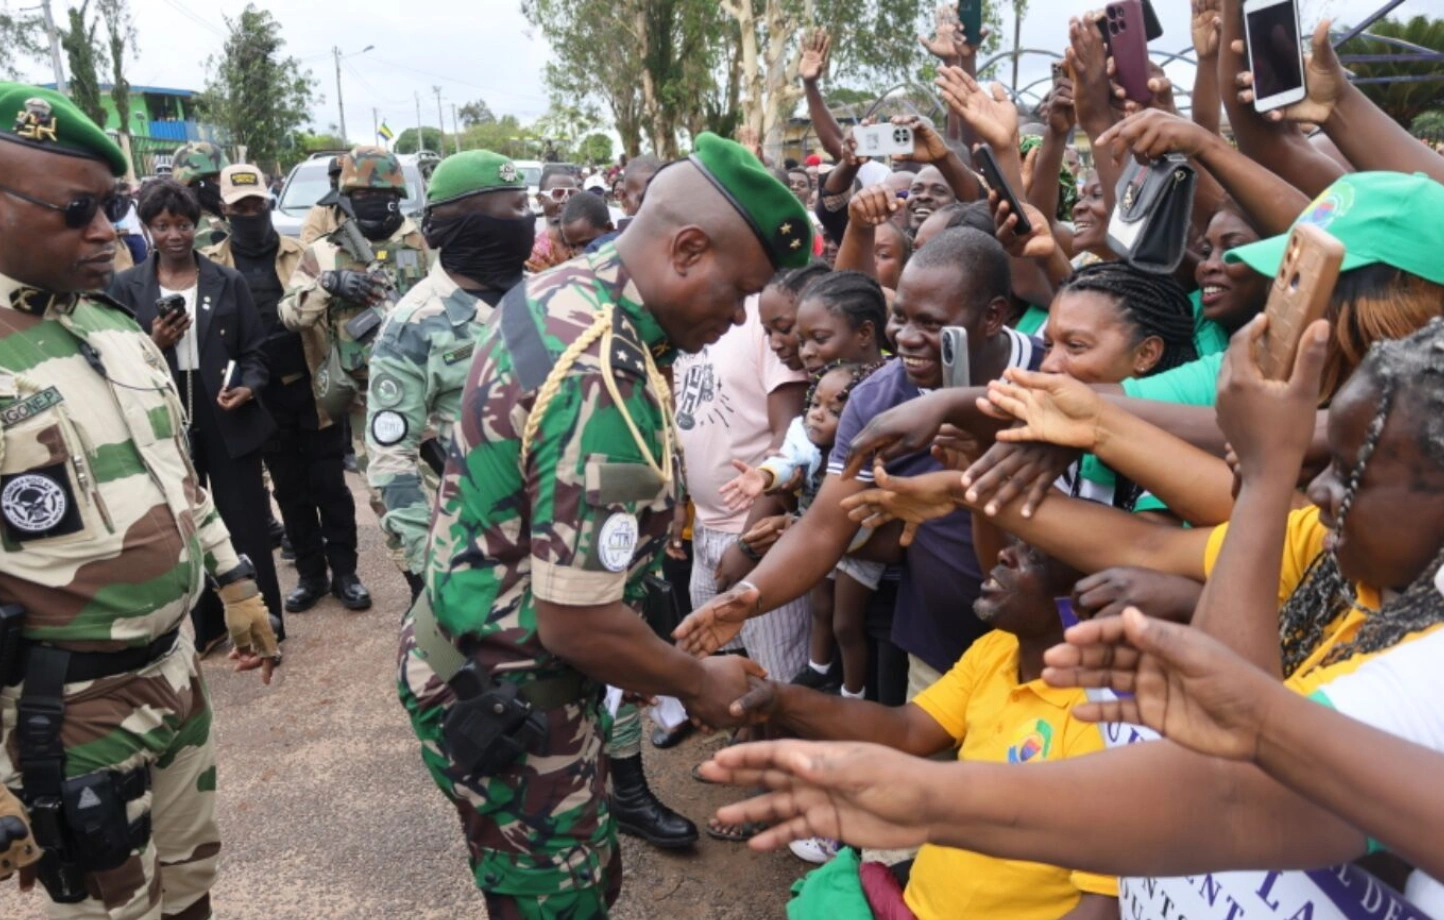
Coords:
81,211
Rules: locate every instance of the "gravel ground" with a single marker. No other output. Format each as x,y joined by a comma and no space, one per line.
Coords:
326,811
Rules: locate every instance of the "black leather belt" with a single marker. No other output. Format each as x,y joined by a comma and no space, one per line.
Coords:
86,666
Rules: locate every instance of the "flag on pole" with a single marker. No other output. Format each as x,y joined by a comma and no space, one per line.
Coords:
386,133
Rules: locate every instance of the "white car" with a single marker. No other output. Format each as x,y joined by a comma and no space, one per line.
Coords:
531,172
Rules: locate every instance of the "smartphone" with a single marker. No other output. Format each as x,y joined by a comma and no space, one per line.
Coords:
956,372
1151,26
970,14
1128,43
230,378
883,140
1275,55
1300,295
169,304
1060,72
989,165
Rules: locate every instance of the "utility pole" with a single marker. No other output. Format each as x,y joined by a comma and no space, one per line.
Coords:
440,122
54,37
455,128
420,135
340,104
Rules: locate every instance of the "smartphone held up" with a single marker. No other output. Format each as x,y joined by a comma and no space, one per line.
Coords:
1299,296
883,140
1275,53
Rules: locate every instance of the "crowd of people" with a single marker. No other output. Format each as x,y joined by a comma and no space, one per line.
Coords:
1032,574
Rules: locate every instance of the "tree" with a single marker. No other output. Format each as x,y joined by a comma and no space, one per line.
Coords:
431,139
78,41
20,37
120,34
595,149
475,113
254,93
1429,125
1403,99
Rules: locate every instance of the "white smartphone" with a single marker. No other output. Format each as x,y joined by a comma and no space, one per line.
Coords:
956,370
883,140
229,379
1275,52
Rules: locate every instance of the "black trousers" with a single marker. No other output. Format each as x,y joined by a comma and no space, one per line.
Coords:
240,496
306,469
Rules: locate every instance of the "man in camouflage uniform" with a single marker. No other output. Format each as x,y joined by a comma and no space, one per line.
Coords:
198,164
553,509
346,284
324,216
107,540
477,217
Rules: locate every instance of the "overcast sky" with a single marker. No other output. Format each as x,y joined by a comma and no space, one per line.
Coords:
484,49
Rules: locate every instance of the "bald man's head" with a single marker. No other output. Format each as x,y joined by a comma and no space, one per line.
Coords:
693,257
36,247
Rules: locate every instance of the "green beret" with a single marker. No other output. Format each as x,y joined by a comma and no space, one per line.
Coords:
45,120
470,172
769,207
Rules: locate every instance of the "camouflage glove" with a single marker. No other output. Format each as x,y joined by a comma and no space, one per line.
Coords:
357,287
17,844
247,619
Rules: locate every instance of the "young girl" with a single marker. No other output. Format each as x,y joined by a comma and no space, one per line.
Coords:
839,321
777,309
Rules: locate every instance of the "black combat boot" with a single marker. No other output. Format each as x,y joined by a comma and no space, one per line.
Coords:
641,814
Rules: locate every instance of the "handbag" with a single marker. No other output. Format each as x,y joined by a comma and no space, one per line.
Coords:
1153,212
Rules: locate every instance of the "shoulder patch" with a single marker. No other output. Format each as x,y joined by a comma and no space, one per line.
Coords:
386,390
30,407
458,354
627,356
388,427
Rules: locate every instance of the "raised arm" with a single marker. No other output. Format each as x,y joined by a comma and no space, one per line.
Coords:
1207,31
816,48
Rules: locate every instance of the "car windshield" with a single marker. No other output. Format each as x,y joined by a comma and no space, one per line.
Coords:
532,175
309,183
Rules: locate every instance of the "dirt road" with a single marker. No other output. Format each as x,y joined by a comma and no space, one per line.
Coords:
326,811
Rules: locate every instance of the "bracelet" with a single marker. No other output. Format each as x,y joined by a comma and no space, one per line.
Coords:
748,551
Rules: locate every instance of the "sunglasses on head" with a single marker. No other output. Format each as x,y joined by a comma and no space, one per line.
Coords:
80,211
559,194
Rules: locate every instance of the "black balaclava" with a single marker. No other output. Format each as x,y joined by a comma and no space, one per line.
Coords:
378,216
489,250
253,234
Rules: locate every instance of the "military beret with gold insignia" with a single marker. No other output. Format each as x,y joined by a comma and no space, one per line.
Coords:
472,172
775,215
45,120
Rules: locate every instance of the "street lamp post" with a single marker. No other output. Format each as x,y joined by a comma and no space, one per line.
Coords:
340,103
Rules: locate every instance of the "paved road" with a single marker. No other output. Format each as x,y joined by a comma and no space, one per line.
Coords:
326,810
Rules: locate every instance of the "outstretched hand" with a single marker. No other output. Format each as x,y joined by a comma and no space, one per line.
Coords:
1182,683
746,487
718,621
1010,470
864,794
725,679
914,500
816,49
990,113
1053,408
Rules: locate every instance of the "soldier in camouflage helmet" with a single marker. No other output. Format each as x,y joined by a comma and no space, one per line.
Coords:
107,540
198,164
346,284
552,512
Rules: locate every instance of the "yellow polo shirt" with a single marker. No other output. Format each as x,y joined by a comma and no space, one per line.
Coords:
997,720
1303,541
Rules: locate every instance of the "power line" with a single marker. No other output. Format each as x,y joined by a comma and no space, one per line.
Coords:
197,19
437,76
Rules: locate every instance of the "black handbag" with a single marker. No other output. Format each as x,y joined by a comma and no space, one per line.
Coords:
1153,212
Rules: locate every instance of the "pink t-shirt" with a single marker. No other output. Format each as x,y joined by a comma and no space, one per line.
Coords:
722,413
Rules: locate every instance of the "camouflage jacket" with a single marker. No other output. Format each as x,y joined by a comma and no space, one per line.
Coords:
308,305
418,368
105,532
582,518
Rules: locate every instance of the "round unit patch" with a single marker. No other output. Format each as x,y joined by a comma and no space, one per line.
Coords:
617,541
33,504
388,428
386,390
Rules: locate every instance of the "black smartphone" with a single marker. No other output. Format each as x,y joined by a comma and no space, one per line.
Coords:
1152,28
169,304
989,164
970,14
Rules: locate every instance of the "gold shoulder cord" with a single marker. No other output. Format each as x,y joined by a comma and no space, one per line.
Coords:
602,328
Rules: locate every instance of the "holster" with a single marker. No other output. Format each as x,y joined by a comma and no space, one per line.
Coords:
79,823
490,726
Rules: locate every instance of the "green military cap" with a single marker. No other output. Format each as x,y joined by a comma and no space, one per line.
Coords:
472,172
45,120
769,207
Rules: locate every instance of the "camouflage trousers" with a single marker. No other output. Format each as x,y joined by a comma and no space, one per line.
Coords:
541,836
160,719
357,416
625,738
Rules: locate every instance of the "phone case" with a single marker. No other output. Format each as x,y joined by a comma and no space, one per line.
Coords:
883,140
956,369
1300,295
1128,41
988,161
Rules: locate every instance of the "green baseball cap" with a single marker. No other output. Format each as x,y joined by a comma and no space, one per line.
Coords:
1380,217
775,215
45,120
472,172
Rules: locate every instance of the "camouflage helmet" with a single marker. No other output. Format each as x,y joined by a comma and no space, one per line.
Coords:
371,167
196,159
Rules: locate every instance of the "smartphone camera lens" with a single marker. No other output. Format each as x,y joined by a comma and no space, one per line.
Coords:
947,351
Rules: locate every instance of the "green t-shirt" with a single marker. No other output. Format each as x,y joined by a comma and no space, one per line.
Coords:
1191,384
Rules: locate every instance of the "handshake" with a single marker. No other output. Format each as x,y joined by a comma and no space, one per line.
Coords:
734,691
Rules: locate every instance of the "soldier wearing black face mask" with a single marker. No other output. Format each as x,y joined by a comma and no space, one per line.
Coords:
198,165
338,298
305,455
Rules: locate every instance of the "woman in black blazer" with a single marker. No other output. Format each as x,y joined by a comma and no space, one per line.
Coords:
210,321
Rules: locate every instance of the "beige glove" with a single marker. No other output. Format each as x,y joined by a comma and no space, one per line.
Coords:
17,844
248,620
